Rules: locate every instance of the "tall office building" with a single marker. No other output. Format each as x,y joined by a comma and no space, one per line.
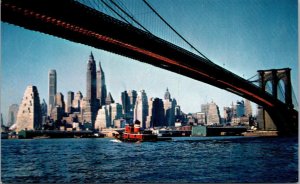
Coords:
149,118
91,79
58,111
44,112
128,101
59,101
201,118
212,113
169,107
158,113
76,104
29,115
228,114
109,99
90,105
101,87
141,108
103,119
44,108
116,112
107,115
240,108
12,114
125,103
155,116
70,99
132,94
167,95
248,108
204,108
178,114
51,90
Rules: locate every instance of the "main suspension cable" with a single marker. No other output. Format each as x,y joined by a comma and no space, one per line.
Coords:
174,30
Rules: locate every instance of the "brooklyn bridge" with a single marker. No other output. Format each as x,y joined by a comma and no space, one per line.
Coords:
84,23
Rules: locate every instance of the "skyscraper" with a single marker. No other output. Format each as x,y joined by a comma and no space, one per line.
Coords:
29,114
240,108
90,105
59,101
167,95
228,114
76,104
169,107
132,94
125,103
44,112
116,112
109,99
44,108
12,114
107,115
91,79
128,101
248,108
178,114
58,111
51,90
101,87
141,108
103,119
204,108
213,114
155,116
69,102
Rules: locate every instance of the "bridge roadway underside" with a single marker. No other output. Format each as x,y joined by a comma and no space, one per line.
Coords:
78,23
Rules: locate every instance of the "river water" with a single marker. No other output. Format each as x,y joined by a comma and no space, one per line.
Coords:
188,159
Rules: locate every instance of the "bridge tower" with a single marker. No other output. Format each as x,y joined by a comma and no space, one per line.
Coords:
274,76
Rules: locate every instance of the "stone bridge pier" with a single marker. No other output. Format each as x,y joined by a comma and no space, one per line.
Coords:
282,116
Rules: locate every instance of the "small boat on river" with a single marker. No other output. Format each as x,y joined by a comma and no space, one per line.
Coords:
134,133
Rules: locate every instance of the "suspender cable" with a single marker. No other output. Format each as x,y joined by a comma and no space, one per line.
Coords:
174,30
131,17
115,12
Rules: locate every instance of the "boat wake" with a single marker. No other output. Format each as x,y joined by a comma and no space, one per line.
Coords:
116,140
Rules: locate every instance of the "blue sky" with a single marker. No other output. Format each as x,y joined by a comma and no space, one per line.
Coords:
241,35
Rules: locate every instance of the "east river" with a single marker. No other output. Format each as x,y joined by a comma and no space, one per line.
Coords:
188,159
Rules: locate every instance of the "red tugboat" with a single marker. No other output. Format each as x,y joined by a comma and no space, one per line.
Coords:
134,133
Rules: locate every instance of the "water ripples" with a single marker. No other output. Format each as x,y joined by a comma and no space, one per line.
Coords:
216,159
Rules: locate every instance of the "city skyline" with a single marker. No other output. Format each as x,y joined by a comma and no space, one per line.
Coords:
74,113
28,56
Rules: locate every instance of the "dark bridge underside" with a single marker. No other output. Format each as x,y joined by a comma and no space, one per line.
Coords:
78,23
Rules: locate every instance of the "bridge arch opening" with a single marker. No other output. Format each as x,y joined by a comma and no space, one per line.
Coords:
268,87
281,90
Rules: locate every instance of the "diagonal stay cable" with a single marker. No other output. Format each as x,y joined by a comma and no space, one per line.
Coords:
115,11
131,17
252,77
174,30
295,100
